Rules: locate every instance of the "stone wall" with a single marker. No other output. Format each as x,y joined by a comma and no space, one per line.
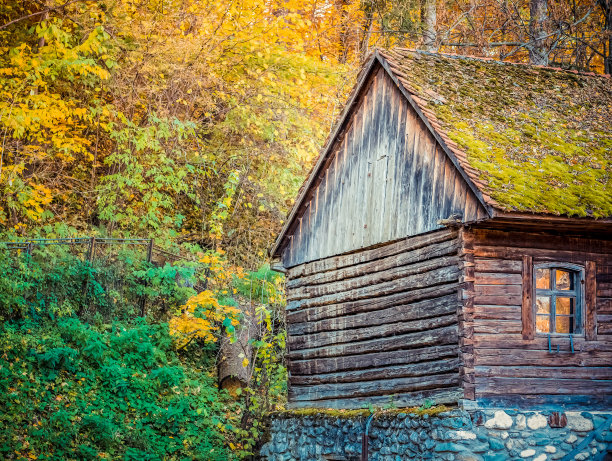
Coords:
481,435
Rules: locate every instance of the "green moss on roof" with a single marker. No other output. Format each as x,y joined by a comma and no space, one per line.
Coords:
540,138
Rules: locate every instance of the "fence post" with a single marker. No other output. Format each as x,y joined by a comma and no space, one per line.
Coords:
92,245
143,300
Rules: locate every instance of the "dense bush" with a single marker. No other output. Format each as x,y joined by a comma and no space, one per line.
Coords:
69,390
57,281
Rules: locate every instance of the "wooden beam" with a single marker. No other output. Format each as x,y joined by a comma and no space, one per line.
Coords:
527,305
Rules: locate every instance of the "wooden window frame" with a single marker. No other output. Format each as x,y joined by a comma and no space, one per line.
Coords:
579,308
589,298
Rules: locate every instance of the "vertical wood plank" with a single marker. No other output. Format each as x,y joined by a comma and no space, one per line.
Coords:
527,305
590,297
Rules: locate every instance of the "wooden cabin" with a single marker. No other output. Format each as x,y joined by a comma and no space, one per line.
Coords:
453,242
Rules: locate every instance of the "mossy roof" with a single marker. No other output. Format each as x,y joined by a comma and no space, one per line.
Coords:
532,139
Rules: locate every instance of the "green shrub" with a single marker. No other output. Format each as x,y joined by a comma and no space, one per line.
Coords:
72,391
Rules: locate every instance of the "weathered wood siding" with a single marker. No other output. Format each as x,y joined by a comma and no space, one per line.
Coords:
376,326
386,179
499,364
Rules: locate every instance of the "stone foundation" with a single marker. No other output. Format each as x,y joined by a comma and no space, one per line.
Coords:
480,435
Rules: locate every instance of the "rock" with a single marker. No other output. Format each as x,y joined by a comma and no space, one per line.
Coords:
558,455
496,457
582,456
449,446
479,447
578,423
571,439
462,435
496,444
541,457
500,420
550,449
536,422
520,422
527,453
468,457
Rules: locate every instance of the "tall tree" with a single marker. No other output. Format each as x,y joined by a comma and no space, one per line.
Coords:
538,18
428,21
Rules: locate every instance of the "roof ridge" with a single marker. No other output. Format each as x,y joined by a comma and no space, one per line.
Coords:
399,49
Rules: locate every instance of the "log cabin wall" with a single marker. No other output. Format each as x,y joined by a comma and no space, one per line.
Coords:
386,178
376,326
500,367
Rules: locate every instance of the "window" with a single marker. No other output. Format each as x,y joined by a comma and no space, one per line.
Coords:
558,298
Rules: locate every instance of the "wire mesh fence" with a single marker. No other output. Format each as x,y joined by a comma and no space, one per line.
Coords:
91,276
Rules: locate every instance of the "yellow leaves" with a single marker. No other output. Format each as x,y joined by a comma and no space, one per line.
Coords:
202,318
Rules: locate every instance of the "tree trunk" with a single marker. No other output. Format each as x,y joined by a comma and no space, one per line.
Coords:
342,5
606,6
231,371
538,48
428,21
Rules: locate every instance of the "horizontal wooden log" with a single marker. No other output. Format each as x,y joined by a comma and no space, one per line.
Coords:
359,334
438,276
403,312
396,274
388,372
440,336
542,241
372,360
524,386
413,399
497,278
604,305
499,327
604,329
503,252
485,357
544,372
434,250
497,312
545,401
497,290
540,342
373,388
484,265
498,300
378,252
408,295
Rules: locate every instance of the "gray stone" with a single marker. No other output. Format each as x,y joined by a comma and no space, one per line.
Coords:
496,444
540,457
520,422
468,457
550,449
449,446
500,420
571,438
527,453
577,422
536,422
558,455
495,457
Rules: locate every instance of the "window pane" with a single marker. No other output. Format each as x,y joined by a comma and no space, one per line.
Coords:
543,305
543,278
564,280
565,306
564,324
542,323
